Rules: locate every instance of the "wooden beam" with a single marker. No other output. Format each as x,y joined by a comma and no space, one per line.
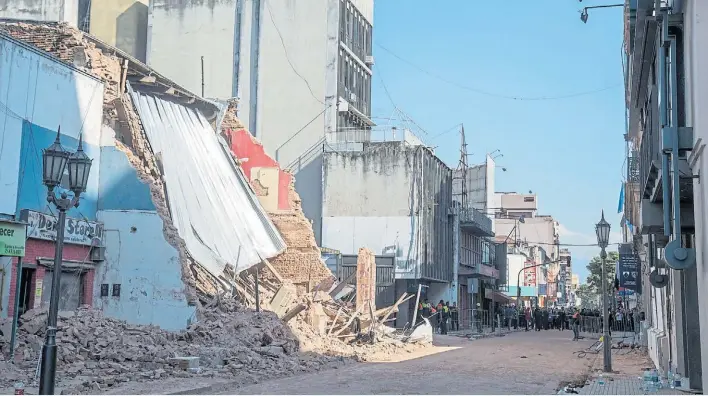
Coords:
293,312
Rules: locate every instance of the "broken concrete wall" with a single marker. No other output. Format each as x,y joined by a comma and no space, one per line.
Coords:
147,268
159,288
301,263
365,280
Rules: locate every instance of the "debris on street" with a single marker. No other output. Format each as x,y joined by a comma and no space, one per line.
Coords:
315,331
283,316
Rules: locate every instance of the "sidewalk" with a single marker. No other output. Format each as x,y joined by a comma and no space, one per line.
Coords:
628,365
621,385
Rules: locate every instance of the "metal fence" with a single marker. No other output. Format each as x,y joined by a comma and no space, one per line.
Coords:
478,320
620,327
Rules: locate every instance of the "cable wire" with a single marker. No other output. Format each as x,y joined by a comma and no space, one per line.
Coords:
287,56
493,94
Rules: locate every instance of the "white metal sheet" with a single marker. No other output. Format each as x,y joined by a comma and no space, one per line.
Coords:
212,204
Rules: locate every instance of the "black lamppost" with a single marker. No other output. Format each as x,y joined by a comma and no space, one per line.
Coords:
602,229
55,160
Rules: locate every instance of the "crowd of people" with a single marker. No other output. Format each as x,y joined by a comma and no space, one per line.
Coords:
445,317
439,315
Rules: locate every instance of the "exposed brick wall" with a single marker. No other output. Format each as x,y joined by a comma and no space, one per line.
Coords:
301,262
36,249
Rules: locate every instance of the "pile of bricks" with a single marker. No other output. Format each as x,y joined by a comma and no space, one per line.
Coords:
97,353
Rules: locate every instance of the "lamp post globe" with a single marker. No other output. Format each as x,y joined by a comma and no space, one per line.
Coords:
602,229
79,167
54,159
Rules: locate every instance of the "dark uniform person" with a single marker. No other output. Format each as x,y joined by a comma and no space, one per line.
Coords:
445,317
454,317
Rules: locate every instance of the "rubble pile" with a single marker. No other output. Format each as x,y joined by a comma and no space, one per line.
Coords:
96,352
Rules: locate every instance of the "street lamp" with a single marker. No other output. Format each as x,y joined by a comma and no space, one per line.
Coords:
602,229
55,160
584,11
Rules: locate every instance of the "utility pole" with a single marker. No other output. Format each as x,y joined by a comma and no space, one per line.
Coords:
202,76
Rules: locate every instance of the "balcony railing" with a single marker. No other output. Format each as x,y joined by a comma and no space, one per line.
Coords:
471,218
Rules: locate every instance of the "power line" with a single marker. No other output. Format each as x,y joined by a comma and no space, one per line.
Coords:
493,94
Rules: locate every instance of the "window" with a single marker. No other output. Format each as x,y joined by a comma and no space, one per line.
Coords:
529,199
342,20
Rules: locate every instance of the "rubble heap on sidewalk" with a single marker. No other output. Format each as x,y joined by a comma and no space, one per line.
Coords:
96,352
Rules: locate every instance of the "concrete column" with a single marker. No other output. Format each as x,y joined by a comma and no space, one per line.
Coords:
696,60
692,329
678,341
455,287
365,280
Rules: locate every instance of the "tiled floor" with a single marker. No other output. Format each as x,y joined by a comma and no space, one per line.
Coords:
621,386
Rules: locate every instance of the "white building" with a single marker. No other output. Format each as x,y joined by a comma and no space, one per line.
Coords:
666,51
302,74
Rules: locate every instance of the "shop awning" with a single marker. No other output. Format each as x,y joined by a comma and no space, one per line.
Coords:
497,297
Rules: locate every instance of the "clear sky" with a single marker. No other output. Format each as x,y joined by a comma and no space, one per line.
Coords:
459,61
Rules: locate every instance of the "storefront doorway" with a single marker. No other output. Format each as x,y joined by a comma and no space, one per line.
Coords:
26,290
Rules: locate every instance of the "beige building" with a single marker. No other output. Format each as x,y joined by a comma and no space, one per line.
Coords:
121,23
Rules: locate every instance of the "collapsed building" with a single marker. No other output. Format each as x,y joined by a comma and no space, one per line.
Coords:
162,178
183,213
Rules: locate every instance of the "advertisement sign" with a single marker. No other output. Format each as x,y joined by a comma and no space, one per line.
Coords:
12,239
629,272
529,274
77,232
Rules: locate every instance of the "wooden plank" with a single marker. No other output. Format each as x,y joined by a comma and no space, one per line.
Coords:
293,312
334,322
272,270
399,302
349,322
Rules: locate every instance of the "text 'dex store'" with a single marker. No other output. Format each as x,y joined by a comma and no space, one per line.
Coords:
83,250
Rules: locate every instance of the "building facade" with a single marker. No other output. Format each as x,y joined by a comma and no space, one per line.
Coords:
664,49
301,73
123,252
395,199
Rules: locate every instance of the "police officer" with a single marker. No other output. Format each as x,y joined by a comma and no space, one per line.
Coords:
445,317
454,317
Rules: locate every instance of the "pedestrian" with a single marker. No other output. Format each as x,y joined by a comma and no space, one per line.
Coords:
439,310
576,325
445,314
537,319
454,317
561,320
527,317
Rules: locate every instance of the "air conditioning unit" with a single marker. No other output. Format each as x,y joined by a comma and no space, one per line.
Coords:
352,97
369,60
98,253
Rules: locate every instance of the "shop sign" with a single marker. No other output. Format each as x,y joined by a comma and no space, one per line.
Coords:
12,239
76,231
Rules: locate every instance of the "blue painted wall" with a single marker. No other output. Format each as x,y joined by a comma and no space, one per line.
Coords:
32,194
148,270
119,185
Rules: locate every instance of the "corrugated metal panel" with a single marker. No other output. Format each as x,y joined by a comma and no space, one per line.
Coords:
211,203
